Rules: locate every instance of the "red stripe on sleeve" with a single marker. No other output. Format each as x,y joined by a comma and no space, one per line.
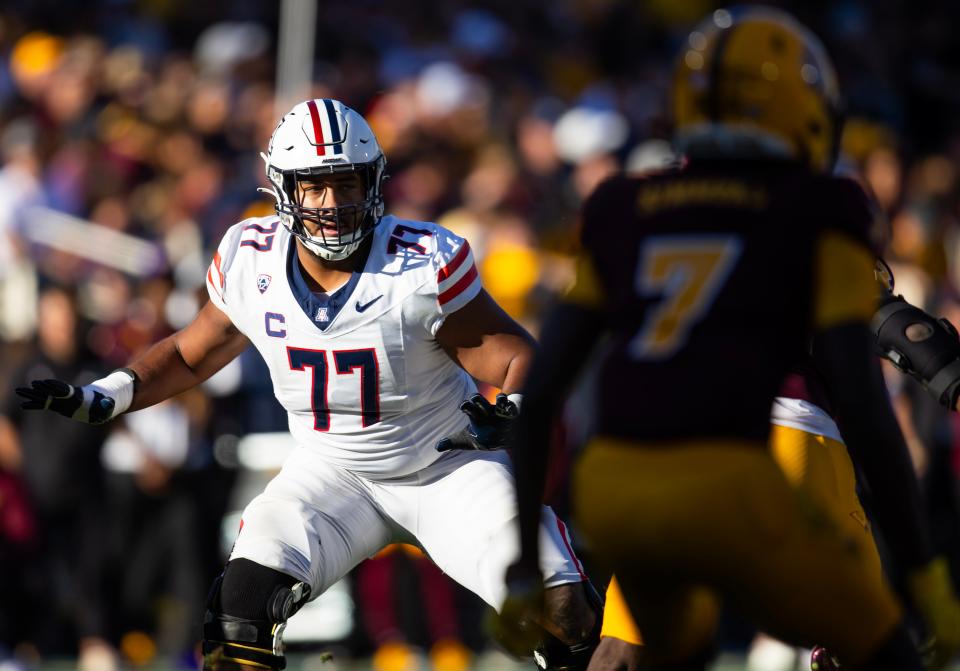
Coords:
317,128
212,283
454,264
458,288
566,541
216,262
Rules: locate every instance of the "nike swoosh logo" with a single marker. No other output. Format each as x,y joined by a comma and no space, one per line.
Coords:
361,308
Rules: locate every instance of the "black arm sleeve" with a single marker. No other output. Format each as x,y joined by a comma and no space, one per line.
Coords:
925,348
568,336
844,356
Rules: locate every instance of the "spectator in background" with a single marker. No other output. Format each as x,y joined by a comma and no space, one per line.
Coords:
382,593
154,519
146,118
19,188
155,548
60,468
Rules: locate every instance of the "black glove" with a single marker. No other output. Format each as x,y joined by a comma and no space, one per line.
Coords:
84,404
489,427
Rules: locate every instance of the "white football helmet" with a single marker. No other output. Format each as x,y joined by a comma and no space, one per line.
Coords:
320,137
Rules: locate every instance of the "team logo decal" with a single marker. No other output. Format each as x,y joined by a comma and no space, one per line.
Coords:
322,315
263,282
364,306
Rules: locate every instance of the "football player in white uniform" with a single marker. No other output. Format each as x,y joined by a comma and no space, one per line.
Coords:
374,329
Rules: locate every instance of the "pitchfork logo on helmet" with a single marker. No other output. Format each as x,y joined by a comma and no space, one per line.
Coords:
325,137
753,81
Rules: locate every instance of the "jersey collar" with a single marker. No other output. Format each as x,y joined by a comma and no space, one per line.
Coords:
321,309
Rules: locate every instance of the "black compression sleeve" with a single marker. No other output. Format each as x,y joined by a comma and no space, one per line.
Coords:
844,356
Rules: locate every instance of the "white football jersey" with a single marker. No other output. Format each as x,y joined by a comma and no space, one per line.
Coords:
359,371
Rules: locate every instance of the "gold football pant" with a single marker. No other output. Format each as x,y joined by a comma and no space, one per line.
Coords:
683,525
821,467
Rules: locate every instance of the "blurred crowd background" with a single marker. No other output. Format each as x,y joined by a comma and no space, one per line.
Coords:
130,134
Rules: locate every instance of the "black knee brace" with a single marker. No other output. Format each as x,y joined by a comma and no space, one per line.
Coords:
554,655
247,610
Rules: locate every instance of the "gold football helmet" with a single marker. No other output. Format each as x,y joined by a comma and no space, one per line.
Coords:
754,82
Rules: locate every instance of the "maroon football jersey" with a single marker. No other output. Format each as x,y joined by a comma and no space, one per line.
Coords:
707,279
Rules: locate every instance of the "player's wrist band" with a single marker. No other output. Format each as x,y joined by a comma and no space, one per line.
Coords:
118,385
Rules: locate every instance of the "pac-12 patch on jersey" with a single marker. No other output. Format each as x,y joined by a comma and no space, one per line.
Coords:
263,282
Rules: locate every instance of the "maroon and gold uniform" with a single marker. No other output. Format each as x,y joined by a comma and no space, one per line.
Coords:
748,251
707,286
712,281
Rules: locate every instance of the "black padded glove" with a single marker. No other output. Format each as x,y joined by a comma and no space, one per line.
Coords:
84,404
489,427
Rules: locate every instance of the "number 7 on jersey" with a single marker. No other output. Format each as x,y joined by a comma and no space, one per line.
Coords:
686,273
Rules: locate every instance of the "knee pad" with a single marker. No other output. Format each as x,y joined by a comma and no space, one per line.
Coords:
554,655
247,611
